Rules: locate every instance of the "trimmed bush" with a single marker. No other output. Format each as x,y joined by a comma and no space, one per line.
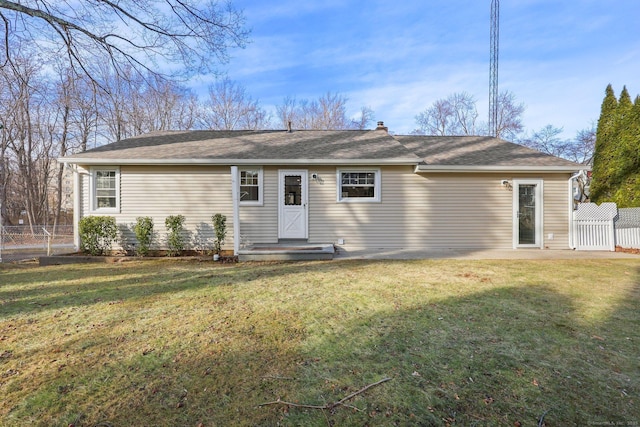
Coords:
220,227
97,234
175,238
144,234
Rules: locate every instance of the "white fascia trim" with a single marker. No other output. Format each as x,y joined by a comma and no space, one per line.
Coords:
92,161
489,169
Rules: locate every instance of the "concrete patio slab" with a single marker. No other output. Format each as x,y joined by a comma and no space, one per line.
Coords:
481,254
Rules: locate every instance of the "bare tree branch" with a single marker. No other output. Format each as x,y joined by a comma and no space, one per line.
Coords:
328,406
189,36
510,112
454,115
328,112
229,107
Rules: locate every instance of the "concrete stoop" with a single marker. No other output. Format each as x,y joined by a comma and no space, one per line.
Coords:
287,252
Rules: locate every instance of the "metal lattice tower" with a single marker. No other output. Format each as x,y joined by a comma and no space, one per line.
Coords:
493,67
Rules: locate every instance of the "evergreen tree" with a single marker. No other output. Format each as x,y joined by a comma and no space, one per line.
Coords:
603,154
627,187
621,164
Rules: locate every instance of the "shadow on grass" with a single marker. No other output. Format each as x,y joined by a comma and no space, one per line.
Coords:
498,357
503,357
54,288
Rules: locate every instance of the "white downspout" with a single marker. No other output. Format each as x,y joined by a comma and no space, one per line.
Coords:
235,197
572,244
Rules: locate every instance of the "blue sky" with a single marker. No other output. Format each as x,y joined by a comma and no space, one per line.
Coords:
398,57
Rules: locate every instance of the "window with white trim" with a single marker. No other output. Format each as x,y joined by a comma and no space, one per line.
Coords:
359,185
251,186
105,189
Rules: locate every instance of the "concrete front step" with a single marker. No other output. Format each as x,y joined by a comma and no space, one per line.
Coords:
287,252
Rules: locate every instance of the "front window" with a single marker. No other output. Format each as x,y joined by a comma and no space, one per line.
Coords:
105,189
359,186
251,186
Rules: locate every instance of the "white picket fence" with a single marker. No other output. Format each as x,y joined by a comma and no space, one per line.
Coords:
603,227
627,227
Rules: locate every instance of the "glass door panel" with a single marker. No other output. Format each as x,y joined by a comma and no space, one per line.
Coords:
527,214
292,190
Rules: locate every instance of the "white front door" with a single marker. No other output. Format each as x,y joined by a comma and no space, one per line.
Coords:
527,211
292,205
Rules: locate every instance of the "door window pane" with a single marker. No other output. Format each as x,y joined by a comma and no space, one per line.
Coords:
293,190
527,214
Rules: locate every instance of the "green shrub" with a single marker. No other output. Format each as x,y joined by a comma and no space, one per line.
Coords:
220,227
175,238
144,234
97,234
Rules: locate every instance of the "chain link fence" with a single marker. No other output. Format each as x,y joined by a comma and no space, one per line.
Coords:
32,239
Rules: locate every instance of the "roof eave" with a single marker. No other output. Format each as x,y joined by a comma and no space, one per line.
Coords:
489,169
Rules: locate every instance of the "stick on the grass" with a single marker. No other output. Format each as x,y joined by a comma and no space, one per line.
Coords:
329,405
541,420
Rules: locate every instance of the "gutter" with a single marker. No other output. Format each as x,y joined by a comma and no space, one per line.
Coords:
489,169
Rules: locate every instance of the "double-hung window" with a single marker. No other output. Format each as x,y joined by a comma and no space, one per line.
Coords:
251,186
105,190
359,185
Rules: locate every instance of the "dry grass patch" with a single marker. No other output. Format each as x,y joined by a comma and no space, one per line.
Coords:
168,342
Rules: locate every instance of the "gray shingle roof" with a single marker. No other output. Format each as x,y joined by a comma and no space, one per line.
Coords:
478,151
220,146
317,147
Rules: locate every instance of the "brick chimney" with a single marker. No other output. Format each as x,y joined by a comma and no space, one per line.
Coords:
381,126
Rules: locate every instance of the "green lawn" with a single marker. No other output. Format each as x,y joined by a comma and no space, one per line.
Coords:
187,343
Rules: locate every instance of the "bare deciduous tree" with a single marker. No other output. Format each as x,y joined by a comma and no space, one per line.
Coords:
229,107
510,112
29,138
65,100
194,35
287,111
134,105
169,106
83,100
457,115
454,115
547,140
581,151
361,122
328,112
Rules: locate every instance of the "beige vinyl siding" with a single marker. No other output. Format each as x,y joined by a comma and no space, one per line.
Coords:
416,211
463,211
556,211
197,192
419,211
259,224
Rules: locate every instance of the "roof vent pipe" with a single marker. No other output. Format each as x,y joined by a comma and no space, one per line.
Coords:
289,126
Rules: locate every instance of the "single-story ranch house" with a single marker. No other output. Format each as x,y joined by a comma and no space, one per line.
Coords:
355,190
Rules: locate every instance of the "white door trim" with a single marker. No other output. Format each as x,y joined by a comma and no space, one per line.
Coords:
299,229
538,215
